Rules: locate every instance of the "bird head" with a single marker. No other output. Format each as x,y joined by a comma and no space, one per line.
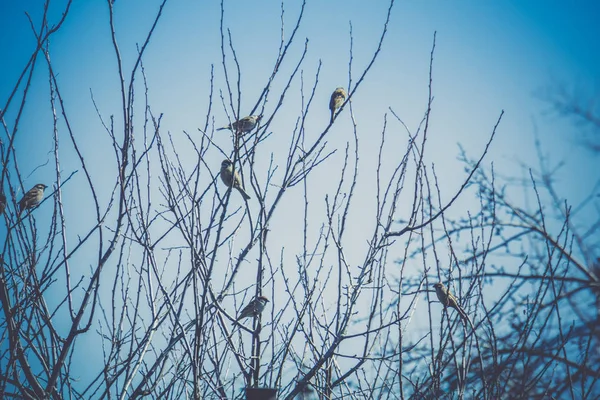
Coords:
226,164
263,298
438,285
340,92
40,186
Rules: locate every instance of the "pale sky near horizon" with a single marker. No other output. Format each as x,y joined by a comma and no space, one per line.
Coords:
489,57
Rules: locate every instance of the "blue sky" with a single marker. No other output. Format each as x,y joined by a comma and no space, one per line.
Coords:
490,56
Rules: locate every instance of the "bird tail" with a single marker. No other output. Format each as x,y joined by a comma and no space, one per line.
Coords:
244,194
332,116
465,318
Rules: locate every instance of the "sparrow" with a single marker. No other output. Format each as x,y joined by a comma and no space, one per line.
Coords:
32,198
449,300
338,97
2,203
254,308
230,179
244,125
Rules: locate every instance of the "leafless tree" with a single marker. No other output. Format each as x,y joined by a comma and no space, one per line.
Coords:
533,286
163,256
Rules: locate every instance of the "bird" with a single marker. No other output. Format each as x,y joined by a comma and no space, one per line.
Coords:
449,300
254,308
232,180
32,198
338,97
2,203
244,125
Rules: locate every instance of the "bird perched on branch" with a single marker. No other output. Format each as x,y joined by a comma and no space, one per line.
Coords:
32,198
449,300
2,203
232,180
338,97
244,125
254,308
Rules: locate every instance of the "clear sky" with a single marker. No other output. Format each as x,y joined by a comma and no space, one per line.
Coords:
490,56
